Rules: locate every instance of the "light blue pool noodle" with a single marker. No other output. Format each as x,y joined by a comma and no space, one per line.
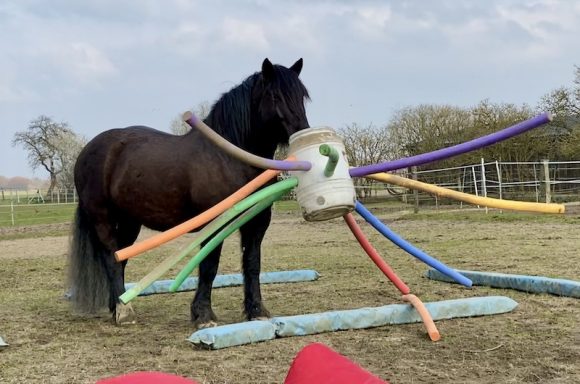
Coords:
300,325
230,280
526,283
409,248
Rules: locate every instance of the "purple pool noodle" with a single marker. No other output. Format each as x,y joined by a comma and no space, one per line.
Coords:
240,154
455,150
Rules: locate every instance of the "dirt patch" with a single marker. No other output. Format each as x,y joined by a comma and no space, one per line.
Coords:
34,248
35,229
538,342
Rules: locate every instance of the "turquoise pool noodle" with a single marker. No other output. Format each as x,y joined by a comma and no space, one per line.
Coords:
526,283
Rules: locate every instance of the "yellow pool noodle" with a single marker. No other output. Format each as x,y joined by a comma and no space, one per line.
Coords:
468,198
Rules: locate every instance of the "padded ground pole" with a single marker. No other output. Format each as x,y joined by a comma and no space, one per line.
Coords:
525,283
254,331
230,280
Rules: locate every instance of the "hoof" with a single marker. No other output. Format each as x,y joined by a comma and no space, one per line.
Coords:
124,314
204,325
257,312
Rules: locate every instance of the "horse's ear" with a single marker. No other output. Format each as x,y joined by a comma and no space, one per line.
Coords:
297,66
268,69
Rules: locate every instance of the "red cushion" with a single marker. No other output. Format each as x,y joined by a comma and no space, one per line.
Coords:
316,363
147,378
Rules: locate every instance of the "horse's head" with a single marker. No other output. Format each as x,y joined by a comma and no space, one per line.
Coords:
279,96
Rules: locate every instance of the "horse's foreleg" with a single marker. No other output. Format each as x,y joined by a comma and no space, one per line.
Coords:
252,235
202,314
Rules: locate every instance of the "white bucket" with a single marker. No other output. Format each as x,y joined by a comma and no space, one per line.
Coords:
319,196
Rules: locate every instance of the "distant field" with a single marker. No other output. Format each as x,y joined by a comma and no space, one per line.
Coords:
34,214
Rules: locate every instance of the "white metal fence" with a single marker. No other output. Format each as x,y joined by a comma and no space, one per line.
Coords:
543,181
37,196
28,207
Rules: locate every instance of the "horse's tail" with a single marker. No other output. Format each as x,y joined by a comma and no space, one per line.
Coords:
87,278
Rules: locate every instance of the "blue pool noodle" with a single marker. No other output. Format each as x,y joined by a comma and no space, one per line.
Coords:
406,246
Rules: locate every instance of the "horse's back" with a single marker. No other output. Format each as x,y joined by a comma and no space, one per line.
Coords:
154,177
100,156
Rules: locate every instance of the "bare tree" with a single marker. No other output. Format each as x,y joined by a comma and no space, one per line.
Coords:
366,145
51,146
489,117
425,128
564,104
179,127
70,145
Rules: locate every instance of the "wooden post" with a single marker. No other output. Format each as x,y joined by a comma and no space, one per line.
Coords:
546,180
415,191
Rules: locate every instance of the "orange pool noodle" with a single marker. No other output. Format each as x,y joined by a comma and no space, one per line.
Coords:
199,220
425,316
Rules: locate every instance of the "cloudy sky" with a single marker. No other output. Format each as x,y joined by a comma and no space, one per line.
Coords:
100,64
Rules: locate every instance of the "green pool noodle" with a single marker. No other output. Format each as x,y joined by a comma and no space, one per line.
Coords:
333,157
203,235
268,199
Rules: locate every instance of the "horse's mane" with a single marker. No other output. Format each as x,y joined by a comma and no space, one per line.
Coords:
230,115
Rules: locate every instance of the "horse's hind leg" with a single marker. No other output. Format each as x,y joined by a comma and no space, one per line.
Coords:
252,235
202,314
127,233
115,237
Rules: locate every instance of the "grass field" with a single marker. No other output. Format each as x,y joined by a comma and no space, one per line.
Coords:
33,214
538,342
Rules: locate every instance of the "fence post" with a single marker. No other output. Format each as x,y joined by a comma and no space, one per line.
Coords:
460,189
415,192
483,181
498,170
536,184
546,180
12,211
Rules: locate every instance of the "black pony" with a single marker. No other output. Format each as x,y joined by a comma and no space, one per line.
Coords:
135,176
